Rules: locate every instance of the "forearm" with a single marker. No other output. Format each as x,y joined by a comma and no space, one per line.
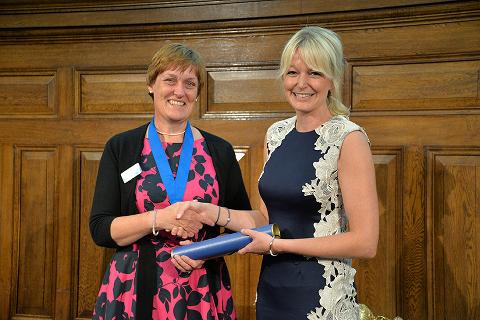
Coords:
127,229
240,219
348,244
232,219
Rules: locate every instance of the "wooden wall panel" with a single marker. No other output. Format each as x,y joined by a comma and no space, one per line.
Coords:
92,260
127,12
64,241
36,225
454,221
111,93
72,75
6,223
413,269
244,270
435,40
447,85
27,93
252,92
384,268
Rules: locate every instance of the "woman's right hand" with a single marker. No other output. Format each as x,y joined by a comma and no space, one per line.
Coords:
206,212
184,227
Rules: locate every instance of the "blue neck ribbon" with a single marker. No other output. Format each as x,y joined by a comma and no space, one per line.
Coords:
175,187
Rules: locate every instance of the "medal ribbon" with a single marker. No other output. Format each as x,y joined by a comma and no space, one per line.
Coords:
175,187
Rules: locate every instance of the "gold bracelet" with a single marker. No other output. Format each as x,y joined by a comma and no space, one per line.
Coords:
155,232
270,245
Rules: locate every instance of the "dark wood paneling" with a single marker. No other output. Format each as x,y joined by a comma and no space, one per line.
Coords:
27,94
413,268
92,260
434,86
454,226
36,214
22,14
244,92
65,241
72,75
107,93
384,268
435,40
7,233
244,270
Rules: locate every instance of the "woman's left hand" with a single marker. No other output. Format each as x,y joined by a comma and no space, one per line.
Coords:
184,263
260,242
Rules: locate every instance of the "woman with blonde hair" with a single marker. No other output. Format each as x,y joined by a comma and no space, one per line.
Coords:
318,185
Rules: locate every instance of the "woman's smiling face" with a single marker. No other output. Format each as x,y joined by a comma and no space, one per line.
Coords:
175,93
306,90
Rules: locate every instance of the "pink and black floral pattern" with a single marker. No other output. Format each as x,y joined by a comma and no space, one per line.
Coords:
179,296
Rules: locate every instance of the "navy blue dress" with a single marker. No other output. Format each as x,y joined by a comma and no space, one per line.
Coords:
289,284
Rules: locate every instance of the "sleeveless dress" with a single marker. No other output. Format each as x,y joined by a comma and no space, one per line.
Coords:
299,186
179,296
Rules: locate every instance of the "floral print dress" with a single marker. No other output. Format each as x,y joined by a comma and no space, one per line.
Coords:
179,296
303,197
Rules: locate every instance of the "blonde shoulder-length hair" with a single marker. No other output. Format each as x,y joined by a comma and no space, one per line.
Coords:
322,51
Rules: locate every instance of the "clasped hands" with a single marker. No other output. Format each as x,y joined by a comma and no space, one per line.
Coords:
184,221
207,213
191,215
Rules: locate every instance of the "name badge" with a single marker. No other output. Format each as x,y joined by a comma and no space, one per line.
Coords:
131,173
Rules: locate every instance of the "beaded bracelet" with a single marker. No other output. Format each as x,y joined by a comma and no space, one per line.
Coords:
155,232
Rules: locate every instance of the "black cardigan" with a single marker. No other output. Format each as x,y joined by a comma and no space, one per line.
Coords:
113,198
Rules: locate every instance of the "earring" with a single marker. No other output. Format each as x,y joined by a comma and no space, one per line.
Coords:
196,99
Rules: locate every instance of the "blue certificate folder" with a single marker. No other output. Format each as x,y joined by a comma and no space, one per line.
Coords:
222,245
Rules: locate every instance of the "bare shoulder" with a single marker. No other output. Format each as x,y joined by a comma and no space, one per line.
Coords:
356,169
355,141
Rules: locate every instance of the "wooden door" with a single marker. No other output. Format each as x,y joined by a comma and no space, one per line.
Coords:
72,74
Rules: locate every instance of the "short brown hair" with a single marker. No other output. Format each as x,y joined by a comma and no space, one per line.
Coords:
176,56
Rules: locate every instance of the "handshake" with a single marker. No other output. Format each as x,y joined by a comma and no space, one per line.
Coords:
190,216
185,219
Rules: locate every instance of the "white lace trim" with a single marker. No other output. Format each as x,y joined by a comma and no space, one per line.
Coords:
337,298
275,135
